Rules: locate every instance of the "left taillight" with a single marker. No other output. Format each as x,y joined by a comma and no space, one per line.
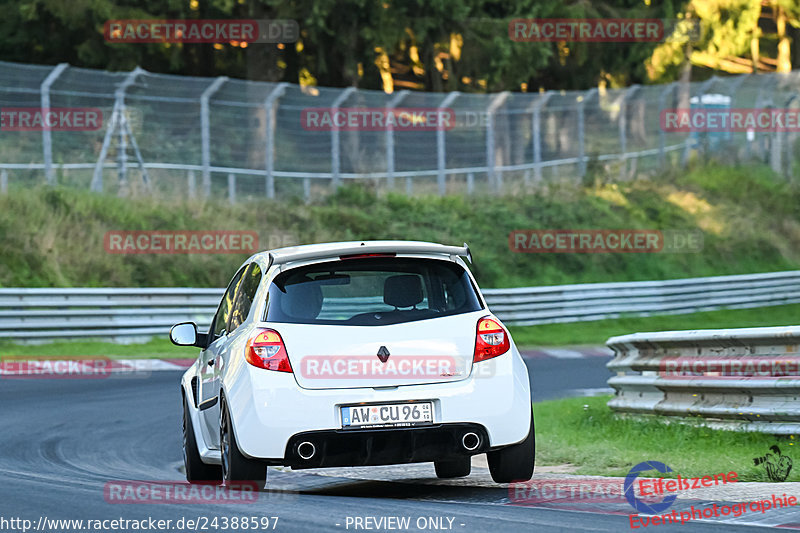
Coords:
266,350
491,340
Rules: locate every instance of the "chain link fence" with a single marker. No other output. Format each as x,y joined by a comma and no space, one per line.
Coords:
239,139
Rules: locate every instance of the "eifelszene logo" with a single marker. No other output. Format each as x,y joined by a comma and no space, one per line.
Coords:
639,504
778,465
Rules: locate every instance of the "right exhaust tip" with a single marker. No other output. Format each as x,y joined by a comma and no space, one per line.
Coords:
470,441
306,450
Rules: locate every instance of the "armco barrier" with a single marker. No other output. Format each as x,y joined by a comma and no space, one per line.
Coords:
134,314
648,382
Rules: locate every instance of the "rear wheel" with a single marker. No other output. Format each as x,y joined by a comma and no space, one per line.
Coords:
515,462
235,466
450,468
196,470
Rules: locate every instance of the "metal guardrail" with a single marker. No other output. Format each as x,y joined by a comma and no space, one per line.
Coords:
596,301
134,314
718,387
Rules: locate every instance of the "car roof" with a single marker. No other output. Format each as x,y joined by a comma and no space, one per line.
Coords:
334,249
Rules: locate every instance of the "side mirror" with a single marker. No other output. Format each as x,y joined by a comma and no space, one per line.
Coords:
184,334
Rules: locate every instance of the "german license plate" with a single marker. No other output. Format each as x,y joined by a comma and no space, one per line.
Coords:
387,415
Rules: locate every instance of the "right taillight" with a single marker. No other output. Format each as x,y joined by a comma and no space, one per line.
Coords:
491,340
266,350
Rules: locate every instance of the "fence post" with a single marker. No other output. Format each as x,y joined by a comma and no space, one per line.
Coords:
623,129
581,133
47,140
335,161
205,133
495,180
774,139
269,137
470,182
441,163
192,184
662,140
4,181
787,171
232,188
394,102
536,133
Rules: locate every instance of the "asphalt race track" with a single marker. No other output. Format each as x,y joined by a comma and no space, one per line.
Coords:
63,440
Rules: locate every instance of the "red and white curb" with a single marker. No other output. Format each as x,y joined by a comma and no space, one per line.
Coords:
580,352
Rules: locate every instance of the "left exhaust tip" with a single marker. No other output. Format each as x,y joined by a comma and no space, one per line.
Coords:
306,450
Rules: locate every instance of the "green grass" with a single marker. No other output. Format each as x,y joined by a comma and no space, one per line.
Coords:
53,237
156,348
585,433
599,331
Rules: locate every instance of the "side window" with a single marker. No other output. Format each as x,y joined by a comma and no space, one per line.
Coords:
247,293
224,311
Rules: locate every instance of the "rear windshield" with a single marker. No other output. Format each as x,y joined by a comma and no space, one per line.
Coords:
371,292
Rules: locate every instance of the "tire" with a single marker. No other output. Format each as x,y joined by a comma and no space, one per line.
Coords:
459,467
515,462
236,467
196,470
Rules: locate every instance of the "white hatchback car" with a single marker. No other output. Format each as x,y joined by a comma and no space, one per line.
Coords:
354,354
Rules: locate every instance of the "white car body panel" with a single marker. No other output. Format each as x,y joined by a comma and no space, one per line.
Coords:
269,407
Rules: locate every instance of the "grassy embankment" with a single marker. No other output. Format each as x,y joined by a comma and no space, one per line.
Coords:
748,216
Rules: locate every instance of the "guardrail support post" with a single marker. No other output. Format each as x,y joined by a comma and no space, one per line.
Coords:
205,132
394,102
47,140
335,155
269,136
192,185
3,181
495,178
441,163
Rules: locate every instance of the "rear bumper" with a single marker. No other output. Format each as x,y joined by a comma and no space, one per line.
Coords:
384,446
270,410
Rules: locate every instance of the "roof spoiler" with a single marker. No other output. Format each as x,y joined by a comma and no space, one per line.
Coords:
371,248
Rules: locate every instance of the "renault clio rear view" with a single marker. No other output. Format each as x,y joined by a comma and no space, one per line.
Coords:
354,354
